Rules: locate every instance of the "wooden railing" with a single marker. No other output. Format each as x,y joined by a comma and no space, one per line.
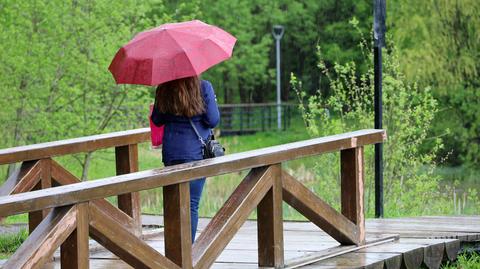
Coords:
39,171
76,210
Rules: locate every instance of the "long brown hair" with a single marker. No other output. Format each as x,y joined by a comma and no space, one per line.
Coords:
181,97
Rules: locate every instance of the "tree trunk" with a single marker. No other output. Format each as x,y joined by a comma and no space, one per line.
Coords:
86,165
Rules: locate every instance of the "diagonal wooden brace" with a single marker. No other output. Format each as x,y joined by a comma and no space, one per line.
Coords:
63,177
24,179
123,243
317,211
231,216
52,231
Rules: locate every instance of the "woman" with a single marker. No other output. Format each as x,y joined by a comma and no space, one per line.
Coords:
177,102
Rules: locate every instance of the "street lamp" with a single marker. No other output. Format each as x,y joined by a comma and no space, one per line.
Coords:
278,31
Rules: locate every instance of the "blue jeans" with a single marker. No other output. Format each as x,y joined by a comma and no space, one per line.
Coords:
196,188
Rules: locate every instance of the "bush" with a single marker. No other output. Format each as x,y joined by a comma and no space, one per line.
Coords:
411,188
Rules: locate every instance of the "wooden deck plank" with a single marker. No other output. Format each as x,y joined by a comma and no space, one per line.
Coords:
300,238
436,250
471,226
359,260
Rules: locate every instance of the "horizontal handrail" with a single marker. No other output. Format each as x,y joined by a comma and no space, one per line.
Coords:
74,145
149,179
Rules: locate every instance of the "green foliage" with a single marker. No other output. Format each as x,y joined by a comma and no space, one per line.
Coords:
440,45
247,71
53,68
54,82
11,241
408,113
249,76
465,261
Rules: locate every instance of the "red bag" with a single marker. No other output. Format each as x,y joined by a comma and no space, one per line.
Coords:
156,133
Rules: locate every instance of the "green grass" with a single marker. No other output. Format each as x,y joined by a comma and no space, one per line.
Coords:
461,185
21,218
465,261
10,242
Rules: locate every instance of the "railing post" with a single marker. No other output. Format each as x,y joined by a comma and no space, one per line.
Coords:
352,179
176,217
263,118
269,117
270,224
241,119
74,252
34,218
126,158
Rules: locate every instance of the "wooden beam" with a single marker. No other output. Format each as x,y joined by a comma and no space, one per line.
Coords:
352,179
63,177
35,217
451,250
72,146
177,229
433,249
126,245
231,216
23,179
74,252
42,243
270,223
317,211
150,179
126,160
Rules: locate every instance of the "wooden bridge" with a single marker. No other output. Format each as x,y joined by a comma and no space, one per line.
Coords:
64,212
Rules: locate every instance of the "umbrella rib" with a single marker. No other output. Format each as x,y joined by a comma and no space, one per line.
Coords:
183,51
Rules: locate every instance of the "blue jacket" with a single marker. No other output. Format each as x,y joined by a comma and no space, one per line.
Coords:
179,139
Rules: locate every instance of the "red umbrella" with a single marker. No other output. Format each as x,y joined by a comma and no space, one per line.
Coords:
171,51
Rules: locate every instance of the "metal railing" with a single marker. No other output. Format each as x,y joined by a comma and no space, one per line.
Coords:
238,119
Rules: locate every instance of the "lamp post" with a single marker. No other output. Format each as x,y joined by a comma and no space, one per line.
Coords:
278,31
379,29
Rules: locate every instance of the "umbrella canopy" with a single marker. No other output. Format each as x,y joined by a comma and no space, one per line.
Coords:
171,51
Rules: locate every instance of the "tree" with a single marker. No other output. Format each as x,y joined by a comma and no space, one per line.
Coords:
408,113
247,71
53,68
250,75
440,43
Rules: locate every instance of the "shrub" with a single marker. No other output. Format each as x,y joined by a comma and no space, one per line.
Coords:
411,187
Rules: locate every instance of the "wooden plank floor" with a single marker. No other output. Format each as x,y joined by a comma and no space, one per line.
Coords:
422,241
